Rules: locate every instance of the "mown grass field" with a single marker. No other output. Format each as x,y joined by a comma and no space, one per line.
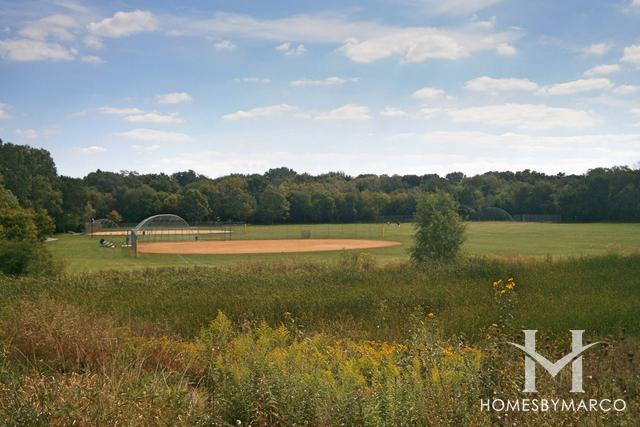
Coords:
81,253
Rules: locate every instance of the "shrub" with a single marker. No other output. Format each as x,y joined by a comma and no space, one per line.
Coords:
27,257
439,229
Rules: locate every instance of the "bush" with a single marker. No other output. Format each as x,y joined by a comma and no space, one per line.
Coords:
439,229
27,257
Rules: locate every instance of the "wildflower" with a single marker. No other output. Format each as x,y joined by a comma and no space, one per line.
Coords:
431,315
511,286
494,325
502,292
496,283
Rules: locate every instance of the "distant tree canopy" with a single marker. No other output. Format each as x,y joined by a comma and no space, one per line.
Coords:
282,195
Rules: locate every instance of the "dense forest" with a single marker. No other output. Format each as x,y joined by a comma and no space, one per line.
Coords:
283,195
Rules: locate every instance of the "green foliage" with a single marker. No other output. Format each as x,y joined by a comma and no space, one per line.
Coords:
18,224
21,234
7,199
114,216
602,194
193,206
439,229
27,257
273,206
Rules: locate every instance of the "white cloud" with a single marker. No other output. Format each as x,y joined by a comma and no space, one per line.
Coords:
362,41
632,54
171,118
153,135
526,116
27,133
152,147
597,49
92,59
603,69
120,111
349,112
174,98
34,50
56,26
271,110
121,24
393,112
635,3
4,111
346,112
487,25
93,149
505,49
421,44
429,93
93,42
490,84
289,50
627,89
422,113
578,86
260,80
429,112
329,81
224,45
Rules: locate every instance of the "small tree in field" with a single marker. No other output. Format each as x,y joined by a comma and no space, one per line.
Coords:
439,229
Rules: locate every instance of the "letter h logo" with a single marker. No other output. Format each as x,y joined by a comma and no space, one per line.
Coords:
532,357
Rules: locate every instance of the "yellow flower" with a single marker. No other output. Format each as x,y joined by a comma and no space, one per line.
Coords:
496,283
511,286
431,315
494,325
502,292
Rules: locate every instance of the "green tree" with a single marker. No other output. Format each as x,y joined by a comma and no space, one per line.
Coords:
439,229
18,224
114,216
232,201
171,203
300,203
194,206
324,206
273,206
139,203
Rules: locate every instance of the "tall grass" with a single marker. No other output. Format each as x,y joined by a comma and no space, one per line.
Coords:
342,343
354,297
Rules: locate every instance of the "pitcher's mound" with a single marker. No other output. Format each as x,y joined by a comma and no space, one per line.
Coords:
260,246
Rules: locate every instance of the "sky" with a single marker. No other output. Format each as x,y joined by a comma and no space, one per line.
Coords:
383,86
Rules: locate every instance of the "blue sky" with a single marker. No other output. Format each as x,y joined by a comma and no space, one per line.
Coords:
408,86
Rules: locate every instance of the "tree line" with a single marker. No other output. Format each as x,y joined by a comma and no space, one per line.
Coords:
282,195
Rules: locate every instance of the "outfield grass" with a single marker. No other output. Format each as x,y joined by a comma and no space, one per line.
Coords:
81,253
